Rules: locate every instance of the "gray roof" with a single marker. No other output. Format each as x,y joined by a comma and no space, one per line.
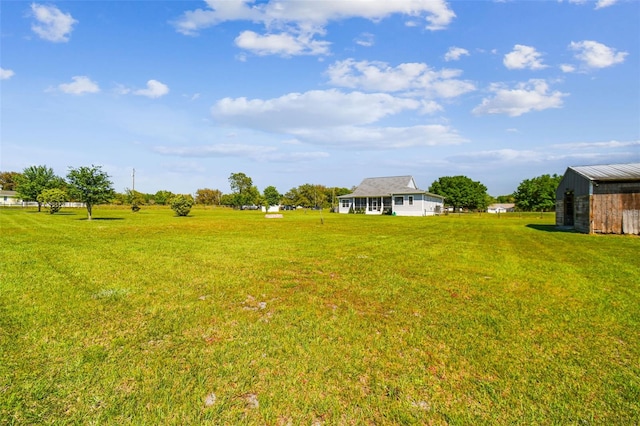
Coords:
610,172
387,186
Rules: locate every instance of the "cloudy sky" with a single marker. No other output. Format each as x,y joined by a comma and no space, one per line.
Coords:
317,91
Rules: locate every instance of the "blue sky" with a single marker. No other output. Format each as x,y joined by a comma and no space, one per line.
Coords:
325,92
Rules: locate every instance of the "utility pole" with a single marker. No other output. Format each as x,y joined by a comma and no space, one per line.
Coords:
133,180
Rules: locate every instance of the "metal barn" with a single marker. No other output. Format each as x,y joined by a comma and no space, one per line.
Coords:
601,199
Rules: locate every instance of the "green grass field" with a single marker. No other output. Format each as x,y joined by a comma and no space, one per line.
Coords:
226,317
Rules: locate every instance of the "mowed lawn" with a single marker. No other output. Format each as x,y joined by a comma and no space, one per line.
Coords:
225,317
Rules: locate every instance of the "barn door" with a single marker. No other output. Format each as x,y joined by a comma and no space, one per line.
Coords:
568,208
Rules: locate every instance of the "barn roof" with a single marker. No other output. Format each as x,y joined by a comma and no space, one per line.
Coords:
386,186
610,172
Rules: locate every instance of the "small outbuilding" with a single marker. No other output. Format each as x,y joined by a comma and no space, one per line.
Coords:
501,208
397,195
602,199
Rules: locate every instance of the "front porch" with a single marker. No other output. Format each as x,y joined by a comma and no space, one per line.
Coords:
367,205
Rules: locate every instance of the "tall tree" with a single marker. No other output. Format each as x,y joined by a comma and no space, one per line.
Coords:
460,192
538,193
244,192
271,196
8,180
90,185
34,180
505,199
208,197
163,197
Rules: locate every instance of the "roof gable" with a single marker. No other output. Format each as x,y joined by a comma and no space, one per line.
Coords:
386,186
609,172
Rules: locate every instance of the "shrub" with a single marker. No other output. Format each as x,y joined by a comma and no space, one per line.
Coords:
181,205
53,199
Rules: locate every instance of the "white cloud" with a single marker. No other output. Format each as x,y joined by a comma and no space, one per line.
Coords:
567,68
596,55
365,39
154,89
301,21
281,44
379,138
121,89
605,3
80,85
455,53
533,95
254,152
318,13
6,74
52,24
407,77
313,109
335,118
507,155
523,57
599,4
606,145
219,150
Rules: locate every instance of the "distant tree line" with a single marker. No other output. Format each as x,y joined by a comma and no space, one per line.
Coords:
88,185
92,186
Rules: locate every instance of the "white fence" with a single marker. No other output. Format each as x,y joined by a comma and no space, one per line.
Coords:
10,203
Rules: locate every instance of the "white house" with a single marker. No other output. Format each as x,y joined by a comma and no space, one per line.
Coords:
397,195
501,208
10,198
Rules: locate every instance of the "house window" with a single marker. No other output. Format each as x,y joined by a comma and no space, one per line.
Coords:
346,203
399,201
410,200
359,203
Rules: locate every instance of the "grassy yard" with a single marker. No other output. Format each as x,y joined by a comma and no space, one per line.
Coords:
226,317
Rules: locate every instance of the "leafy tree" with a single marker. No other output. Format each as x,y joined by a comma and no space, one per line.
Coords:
460,192
227,200
163,197
538,193
181,204
54,198
136,199
8,180
244,192
208,197
502,199
271,196
291,197
308,195
34,180
90,185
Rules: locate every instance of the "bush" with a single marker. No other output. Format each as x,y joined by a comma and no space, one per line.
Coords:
53,199
181,205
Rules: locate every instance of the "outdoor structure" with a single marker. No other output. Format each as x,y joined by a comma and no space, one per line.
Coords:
9,198
600,199
398,195
501,208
